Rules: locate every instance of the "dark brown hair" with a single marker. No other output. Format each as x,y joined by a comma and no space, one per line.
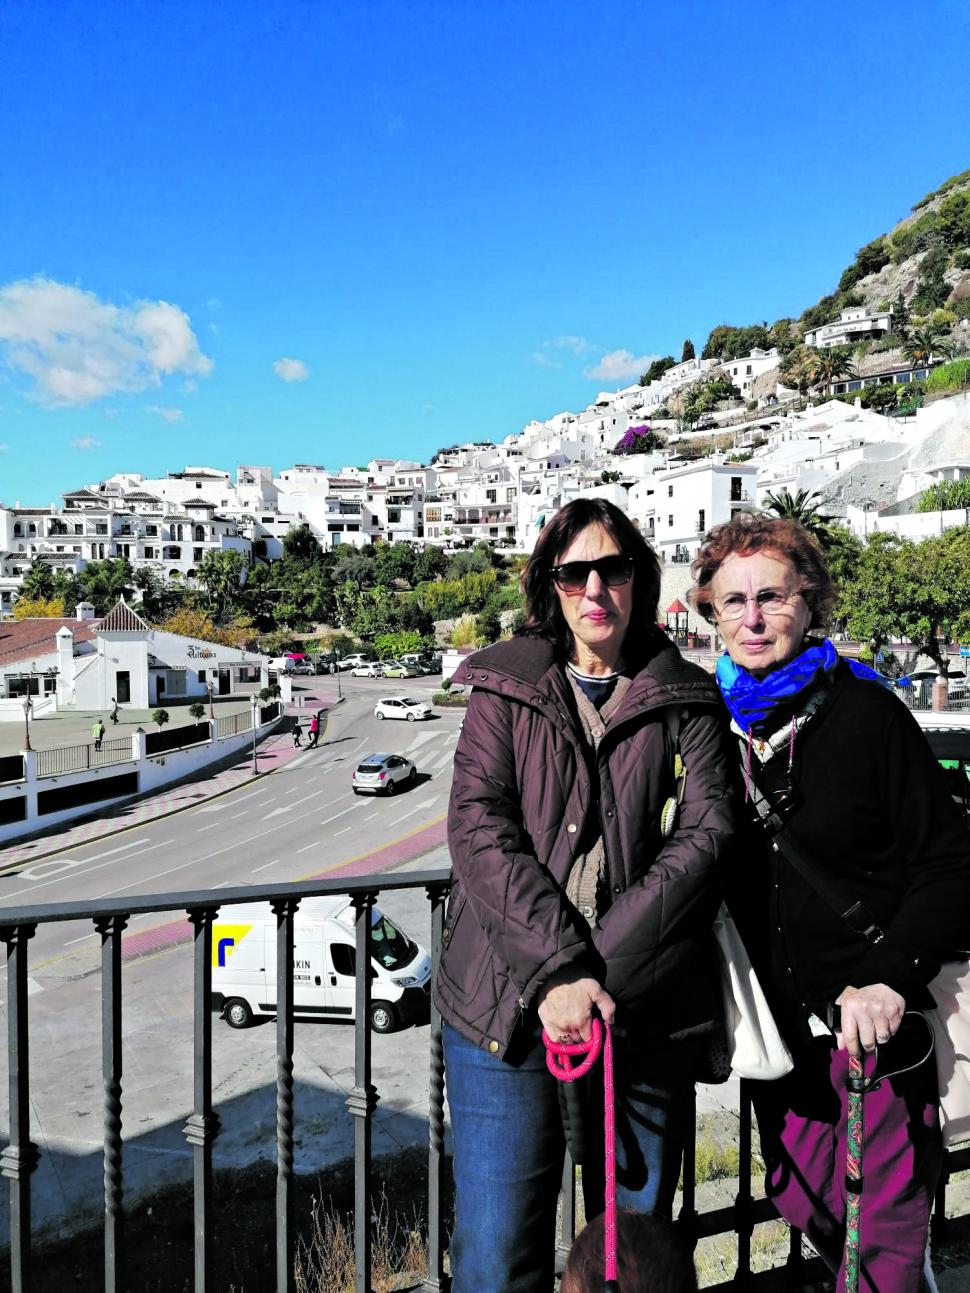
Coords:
544,617
650,1257
749,532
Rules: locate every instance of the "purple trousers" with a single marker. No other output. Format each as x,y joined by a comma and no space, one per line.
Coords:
802,1121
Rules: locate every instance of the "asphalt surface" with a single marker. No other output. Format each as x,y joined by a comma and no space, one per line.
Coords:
301,821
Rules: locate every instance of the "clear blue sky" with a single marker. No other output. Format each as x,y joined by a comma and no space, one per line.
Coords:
449,217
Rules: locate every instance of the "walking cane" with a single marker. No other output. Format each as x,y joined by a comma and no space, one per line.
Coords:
559,1057
859,1086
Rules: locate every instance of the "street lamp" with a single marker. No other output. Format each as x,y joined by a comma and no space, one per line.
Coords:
208,687
28,705
254,702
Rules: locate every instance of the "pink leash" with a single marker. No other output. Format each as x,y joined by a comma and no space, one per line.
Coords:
559,1057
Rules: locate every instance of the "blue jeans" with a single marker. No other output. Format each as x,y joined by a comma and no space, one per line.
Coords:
508,1155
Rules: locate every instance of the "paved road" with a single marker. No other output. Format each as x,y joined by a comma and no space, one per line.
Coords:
299,822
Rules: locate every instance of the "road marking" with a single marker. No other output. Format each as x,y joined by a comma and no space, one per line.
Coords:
441,761
265,866
314,845
343,832
276,811
42,884
213,827
422,738
342,813
84,937
370,815
33,987
410,813
244,813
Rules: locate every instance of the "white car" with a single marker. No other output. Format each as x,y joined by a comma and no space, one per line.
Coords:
402,707
369,670
381,774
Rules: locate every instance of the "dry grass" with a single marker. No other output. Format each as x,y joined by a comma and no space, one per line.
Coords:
325,1257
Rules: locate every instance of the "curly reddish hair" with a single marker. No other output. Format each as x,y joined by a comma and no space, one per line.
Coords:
749,532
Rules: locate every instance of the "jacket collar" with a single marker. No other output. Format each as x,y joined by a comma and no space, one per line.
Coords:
527,669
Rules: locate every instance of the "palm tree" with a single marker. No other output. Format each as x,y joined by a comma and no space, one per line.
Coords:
829,365
801,507
921,344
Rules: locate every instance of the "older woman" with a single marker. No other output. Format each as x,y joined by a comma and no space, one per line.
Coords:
569,897
845,806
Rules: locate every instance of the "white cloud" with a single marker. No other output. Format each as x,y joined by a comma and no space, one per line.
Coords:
85,442
619,365
291,370
578,345
167,414
543,359
78,348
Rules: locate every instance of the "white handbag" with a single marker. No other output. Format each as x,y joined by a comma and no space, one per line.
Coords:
950,1021
755,1046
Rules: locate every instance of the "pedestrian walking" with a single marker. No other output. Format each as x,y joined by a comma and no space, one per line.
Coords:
97,731
296,735
314,731
114,710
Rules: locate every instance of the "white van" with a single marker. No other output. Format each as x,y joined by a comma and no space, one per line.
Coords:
324,959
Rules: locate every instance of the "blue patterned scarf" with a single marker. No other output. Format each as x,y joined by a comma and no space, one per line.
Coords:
753,701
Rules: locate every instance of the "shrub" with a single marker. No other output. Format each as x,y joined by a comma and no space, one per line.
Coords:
160,716
197,711
961,260
453,698
954,376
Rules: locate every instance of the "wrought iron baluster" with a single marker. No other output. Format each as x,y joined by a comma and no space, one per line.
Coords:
437,1280
687,1220
202,1127
284,908
743,1220
18,1160
362,1100
110,928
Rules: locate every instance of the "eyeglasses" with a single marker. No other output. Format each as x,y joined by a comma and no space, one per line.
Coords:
572,576
769,601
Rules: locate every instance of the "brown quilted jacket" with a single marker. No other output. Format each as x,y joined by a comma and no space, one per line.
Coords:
524,802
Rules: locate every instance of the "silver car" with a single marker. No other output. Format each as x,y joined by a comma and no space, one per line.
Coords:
383,774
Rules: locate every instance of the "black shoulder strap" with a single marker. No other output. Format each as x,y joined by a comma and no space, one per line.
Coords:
853,912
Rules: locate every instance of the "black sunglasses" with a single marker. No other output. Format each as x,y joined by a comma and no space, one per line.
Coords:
614,571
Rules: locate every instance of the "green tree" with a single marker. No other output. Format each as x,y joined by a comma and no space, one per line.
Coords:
105,582
802,506
430,564
919,591
783,336
197,712
947,495
160,717
391,646
921,344
657,369
688,351
38,583
221,574
831,364
301,544
394,561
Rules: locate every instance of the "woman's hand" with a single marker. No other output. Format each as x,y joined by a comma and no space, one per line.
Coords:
566,1006
869,1015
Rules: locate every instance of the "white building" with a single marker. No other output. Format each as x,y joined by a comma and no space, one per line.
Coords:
745,372
852,325
691,497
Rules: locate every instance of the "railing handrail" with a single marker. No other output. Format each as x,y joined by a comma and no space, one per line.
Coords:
213,899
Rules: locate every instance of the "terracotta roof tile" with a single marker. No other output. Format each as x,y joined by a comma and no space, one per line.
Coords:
37,637
122,619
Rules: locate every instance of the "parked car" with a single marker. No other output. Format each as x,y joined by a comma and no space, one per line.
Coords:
305,668
398,669
402,707
352,661
418,662
383,774
370,669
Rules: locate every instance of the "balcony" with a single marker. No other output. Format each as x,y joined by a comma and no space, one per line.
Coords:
202,1124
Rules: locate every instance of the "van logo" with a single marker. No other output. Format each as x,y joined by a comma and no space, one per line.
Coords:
225,939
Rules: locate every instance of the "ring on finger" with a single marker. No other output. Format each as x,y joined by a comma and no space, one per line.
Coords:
882,1038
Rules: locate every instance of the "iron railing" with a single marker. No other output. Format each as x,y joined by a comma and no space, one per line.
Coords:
21,1157
78,758
233,724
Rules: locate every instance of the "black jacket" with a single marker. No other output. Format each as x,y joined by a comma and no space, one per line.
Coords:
872,809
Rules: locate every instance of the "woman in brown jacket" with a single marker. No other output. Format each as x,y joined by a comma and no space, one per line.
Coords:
578,890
